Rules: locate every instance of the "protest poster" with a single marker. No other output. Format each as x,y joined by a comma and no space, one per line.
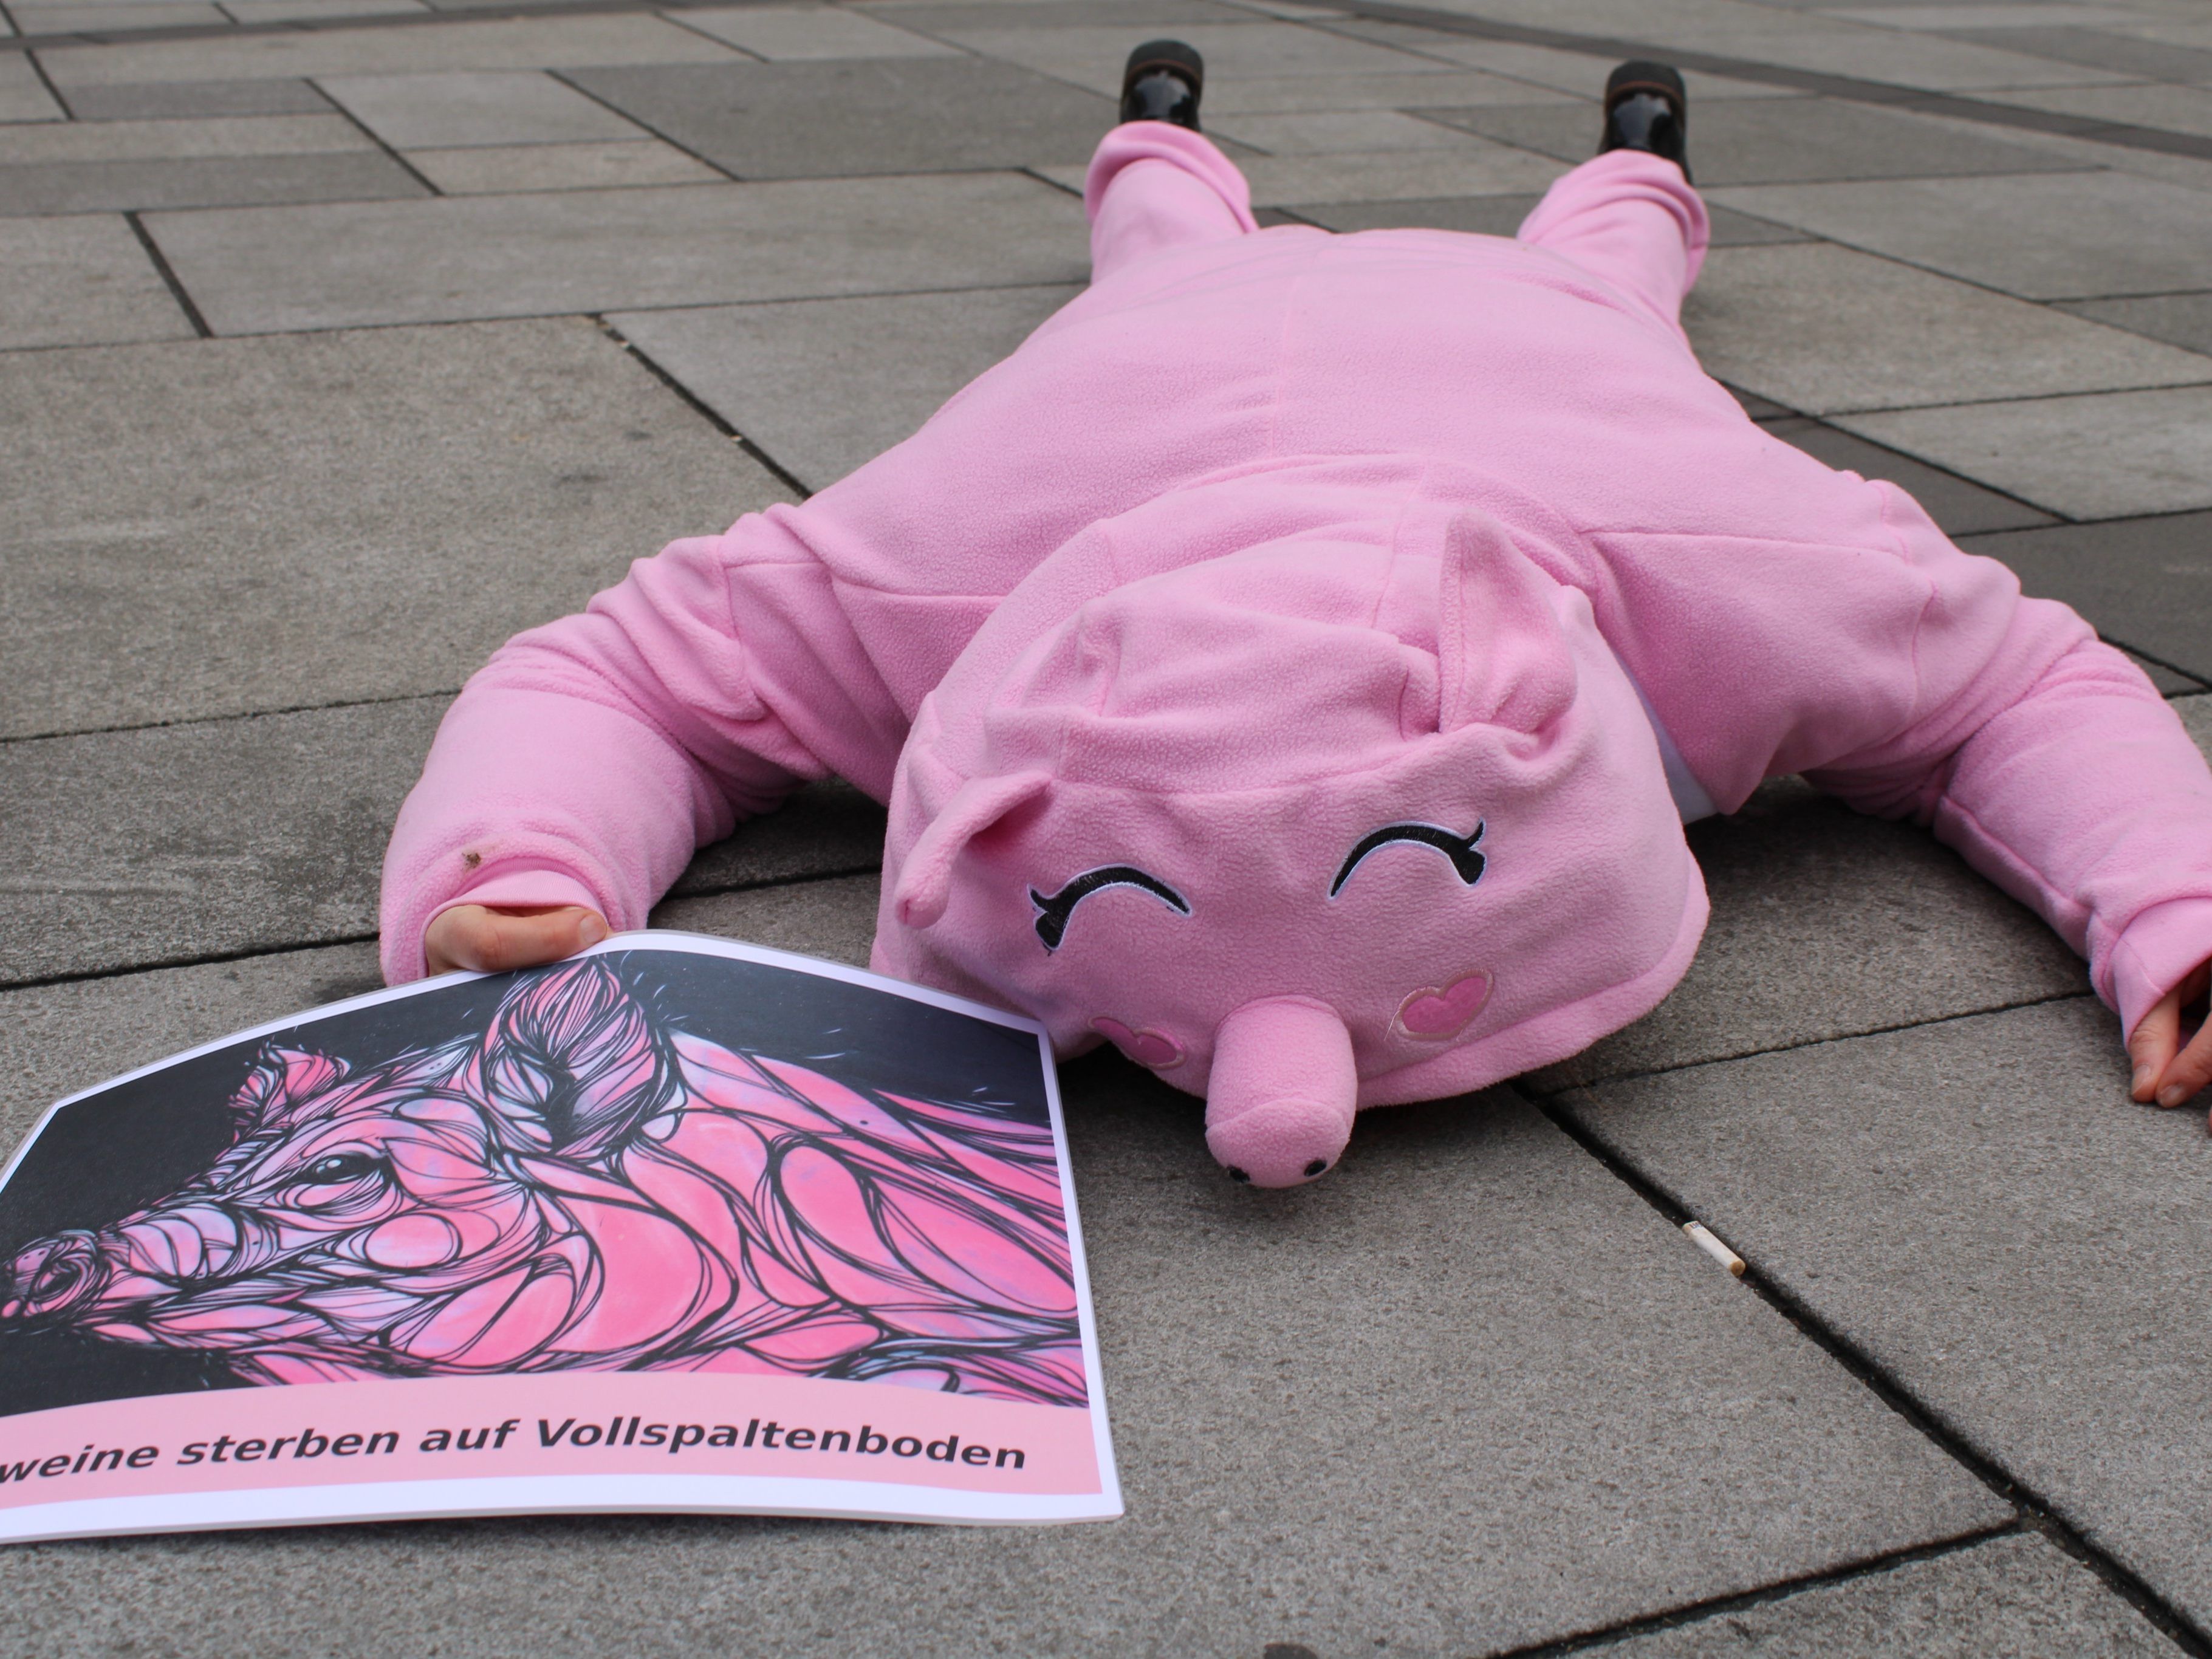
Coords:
677,1225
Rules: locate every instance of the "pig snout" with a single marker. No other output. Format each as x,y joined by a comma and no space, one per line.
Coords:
53,1279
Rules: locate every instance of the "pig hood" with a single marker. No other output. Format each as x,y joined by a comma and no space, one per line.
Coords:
1316,823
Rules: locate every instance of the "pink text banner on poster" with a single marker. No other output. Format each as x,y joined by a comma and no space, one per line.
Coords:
675,1225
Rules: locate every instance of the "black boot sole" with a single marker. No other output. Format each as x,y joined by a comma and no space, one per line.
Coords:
1162,81
1647,108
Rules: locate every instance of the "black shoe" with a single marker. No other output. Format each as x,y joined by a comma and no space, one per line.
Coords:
1163,82
1646,109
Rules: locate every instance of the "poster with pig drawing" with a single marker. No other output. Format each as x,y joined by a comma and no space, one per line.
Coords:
677,1225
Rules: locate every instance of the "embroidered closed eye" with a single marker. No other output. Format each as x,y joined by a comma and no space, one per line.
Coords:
1053,910
1466,862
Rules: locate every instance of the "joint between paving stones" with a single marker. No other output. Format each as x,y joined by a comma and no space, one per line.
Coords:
169,276
224,719
2036,1511
1719,1607
783,474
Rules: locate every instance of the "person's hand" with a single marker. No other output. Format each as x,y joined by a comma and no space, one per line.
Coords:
2165,1071
492,938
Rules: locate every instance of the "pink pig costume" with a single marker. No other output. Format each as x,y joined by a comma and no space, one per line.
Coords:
1296,662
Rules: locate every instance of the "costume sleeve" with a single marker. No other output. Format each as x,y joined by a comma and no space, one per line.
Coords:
590,757
1914,680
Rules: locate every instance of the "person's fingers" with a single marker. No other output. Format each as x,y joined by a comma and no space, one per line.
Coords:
2191,1069
493,941
2152,1045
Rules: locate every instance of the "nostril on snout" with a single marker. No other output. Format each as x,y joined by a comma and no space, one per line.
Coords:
1316,1166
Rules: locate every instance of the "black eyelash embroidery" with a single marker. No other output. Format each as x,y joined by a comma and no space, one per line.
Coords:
1052,912
1459,849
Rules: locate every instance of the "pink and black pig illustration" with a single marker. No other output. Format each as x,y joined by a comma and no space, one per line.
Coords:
586,1187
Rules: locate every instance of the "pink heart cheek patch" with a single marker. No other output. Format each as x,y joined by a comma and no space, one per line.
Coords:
1146,1048
1432,1015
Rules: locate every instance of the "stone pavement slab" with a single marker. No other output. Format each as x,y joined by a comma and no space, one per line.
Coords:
1825,328
231,526
498,169
365,175
1329,131
23,96
1767,140
1961,508
833,918
1501,215
1978,1208
2020,1596
2174,109
2103,457
2182,319
834,118
1826,924
2155,60
106,17
489,44
177,100
1094,57
784,32
172,843
175,843
1384,1411
2148,581
146,141
1478,168
807,381
2058,236
265,270
1292,94
826,829
81,282
444,110
1932,63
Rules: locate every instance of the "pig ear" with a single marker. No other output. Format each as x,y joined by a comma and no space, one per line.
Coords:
1503,659
281,1080
572,1062
925,881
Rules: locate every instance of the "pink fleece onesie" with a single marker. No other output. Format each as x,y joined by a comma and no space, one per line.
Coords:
1281,666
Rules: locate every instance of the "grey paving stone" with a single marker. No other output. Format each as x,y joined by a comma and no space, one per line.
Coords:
836,918
1393,175
23,96
1962,508
2169,682
1157,15
81,282
1898,59
1501,215
227,526
474,43
496,170
57,1039
2104,456
1979,1209
1827,924
1758,408
367,175
2155,60
2020,1596
1331,131
101,18
1469,1393
171,100
1766,140
217,135
1825,328
174,843
1579,74
2145,582
2169,108
1094,57
167,844
289,11
1440,85
2058,236
808,382
268,270
2182,319
1948,19
821,120
827,828
784,33
445,110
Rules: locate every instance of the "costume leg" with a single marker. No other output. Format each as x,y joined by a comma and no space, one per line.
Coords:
1153,185
1630,219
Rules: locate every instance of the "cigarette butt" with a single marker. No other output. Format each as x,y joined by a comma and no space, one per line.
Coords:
1712,1247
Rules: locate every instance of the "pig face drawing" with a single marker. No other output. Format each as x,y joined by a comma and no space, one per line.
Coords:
587,1188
